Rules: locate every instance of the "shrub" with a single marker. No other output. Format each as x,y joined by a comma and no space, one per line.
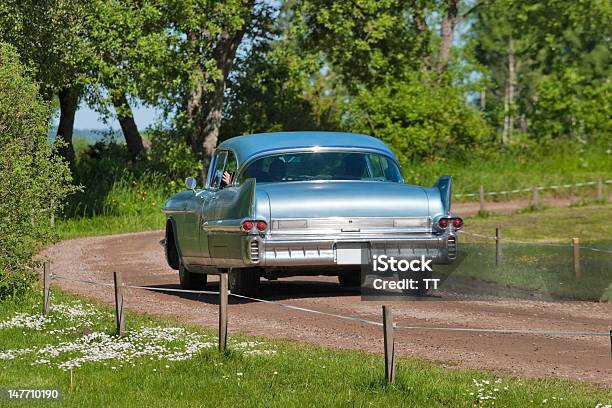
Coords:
418,118
171,156
34,181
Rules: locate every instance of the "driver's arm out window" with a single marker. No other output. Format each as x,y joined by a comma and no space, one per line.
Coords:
217,176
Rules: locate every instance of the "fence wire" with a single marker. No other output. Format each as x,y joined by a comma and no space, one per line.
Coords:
554,333
530,189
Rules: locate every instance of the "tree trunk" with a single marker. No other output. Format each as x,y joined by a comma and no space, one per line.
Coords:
213,106
509,95
483,99
133,140
447,30
69,101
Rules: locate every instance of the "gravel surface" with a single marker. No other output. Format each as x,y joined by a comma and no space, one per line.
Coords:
140,258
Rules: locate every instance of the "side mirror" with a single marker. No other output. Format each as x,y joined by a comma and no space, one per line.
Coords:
190,183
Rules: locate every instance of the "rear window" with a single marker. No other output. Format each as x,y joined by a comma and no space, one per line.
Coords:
322,166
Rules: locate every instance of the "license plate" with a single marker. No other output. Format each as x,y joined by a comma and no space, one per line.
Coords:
349,253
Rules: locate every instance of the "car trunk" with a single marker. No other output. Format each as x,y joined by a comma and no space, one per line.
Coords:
314,199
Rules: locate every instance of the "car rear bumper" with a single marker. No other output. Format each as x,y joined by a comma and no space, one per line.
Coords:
286,251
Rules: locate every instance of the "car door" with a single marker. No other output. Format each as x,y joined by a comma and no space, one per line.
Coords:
223,245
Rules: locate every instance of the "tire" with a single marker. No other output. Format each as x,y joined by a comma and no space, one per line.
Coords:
190,280
172,256
244,281
350,278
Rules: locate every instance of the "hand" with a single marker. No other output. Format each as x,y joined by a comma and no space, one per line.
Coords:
227,178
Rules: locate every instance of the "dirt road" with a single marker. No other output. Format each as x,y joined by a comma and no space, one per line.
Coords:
140,258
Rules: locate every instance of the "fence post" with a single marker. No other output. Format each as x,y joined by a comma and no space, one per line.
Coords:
498,250
536,196
576,246
52,206
46,287
223,311
482,199
389,344
119,303
600,195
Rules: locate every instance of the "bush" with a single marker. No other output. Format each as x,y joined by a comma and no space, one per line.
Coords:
34,181
419,118
172,157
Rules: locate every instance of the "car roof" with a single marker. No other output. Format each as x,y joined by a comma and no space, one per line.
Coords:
249,146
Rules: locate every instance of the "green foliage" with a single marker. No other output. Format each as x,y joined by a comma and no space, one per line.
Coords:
560,53
367,40
555,162
50,37
276,88
33,182
172,157
418,118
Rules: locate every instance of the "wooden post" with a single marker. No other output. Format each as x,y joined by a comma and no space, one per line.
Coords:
389,344
223,311
498,249
536,196
52,209
46,287
482,199
119,303
576,245
600,195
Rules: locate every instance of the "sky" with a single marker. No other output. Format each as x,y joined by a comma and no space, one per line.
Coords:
87,118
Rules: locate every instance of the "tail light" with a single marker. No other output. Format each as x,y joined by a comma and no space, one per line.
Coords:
248,225
457,223
445,222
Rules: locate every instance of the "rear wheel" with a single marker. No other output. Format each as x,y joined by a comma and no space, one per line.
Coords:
244,281
190,280
350,278
172,256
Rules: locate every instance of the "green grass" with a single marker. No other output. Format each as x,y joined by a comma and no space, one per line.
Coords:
557,225
109,224
542,262
560,163
295,375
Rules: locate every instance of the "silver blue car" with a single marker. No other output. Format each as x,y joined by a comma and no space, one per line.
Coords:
303,203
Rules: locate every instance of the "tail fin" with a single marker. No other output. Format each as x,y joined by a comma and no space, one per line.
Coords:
444,184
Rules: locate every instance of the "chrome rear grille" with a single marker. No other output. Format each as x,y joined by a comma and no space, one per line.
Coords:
452,247
254,251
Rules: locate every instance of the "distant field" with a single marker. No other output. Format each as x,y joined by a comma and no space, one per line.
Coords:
507,172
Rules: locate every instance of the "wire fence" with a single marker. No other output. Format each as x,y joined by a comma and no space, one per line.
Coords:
388,326
555,333
483,193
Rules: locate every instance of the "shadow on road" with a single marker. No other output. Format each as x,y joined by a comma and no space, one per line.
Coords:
271,290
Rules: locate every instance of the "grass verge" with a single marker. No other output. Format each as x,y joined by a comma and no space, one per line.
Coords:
109,224
143,370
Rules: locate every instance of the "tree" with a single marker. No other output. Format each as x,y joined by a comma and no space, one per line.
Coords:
544,61
213,33
136,58
34,181
277,86
419,118
49,36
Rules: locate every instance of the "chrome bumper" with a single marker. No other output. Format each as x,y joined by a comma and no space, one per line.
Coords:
279,251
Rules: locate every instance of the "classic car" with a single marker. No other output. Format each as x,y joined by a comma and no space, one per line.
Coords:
303,203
